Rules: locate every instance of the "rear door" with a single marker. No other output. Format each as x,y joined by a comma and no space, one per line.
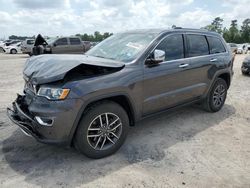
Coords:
76,46
61,46
201,61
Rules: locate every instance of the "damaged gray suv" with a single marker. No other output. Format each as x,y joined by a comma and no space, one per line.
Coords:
91,100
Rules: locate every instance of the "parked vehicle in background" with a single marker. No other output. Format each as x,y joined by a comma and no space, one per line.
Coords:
91,100
242,49
233,47
245,68
87,45
27,45
94,44
248,47
65,45
8,43
2,44
12,42
13,49
62,45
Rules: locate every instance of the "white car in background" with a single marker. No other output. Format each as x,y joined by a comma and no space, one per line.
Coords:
233,47
13,49
248,47
242,49
2,45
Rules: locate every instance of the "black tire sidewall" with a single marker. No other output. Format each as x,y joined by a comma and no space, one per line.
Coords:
219,81
13,50
81,141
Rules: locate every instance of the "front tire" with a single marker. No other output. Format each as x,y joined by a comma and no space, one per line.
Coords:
216,97
102,130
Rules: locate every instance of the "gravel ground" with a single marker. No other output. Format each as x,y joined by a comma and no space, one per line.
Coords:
185,148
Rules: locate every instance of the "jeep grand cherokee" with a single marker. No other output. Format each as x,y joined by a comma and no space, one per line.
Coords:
90,100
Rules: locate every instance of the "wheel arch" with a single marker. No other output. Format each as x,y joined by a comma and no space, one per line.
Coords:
121,99
13,49
226,77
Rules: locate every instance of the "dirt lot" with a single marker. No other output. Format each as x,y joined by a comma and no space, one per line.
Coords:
187,148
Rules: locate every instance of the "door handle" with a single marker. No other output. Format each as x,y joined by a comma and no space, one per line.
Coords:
213,60
183,65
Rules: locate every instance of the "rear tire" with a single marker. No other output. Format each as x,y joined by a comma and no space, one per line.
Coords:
216,96
102,130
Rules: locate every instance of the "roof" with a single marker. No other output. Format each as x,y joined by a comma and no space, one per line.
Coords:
162,31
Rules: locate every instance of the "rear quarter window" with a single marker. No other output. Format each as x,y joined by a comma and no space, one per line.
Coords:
197,45
215,45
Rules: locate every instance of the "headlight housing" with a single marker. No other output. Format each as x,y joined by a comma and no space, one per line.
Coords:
53,93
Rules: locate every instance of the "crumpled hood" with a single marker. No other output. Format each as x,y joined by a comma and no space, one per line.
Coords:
50,68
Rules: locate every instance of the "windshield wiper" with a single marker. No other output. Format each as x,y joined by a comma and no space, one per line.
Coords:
99,56
104,57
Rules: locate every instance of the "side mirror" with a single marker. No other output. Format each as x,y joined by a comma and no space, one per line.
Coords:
54,44
156,57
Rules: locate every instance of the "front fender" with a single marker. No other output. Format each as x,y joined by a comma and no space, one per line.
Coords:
90,100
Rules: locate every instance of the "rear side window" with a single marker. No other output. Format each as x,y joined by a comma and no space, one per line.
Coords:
74,41
30,41
215,45
62,41
197,45
173,47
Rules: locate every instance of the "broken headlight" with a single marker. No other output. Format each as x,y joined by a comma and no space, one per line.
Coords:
53,93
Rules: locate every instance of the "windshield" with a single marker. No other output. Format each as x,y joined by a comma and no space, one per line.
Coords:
123,47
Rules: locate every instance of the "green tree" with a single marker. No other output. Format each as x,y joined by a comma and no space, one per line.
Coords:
245,31
226,34
234,33
216,25
97,37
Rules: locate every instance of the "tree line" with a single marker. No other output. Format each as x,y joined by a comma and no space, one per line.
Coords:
233,34
96,37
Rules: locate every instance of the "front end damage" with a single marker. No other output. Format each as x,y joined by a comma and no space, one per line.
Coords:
46,121
51,120
23,119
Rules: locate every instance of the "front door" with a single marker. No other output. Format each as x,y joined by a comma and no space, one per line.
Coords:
173,81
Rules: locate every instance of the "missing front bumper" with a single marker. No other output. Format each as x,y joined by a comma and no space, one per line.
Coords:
26,109
23,120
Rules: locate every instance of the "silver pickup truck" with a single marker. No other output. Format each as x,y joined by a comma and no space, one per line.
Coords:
27,45
62,45
65,45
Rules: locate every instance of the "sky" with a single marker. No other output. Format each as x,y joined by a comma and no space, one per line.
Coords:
69,17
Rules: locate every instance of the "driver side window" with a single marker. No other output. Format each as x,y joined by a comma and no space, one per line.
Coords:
173,47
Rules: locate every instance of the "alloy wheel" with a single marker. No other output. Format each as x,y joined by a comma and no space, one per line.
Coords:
219,95
104,131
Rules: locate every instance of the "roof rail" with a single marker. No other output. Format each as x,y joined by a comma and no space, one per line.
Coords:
191,28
